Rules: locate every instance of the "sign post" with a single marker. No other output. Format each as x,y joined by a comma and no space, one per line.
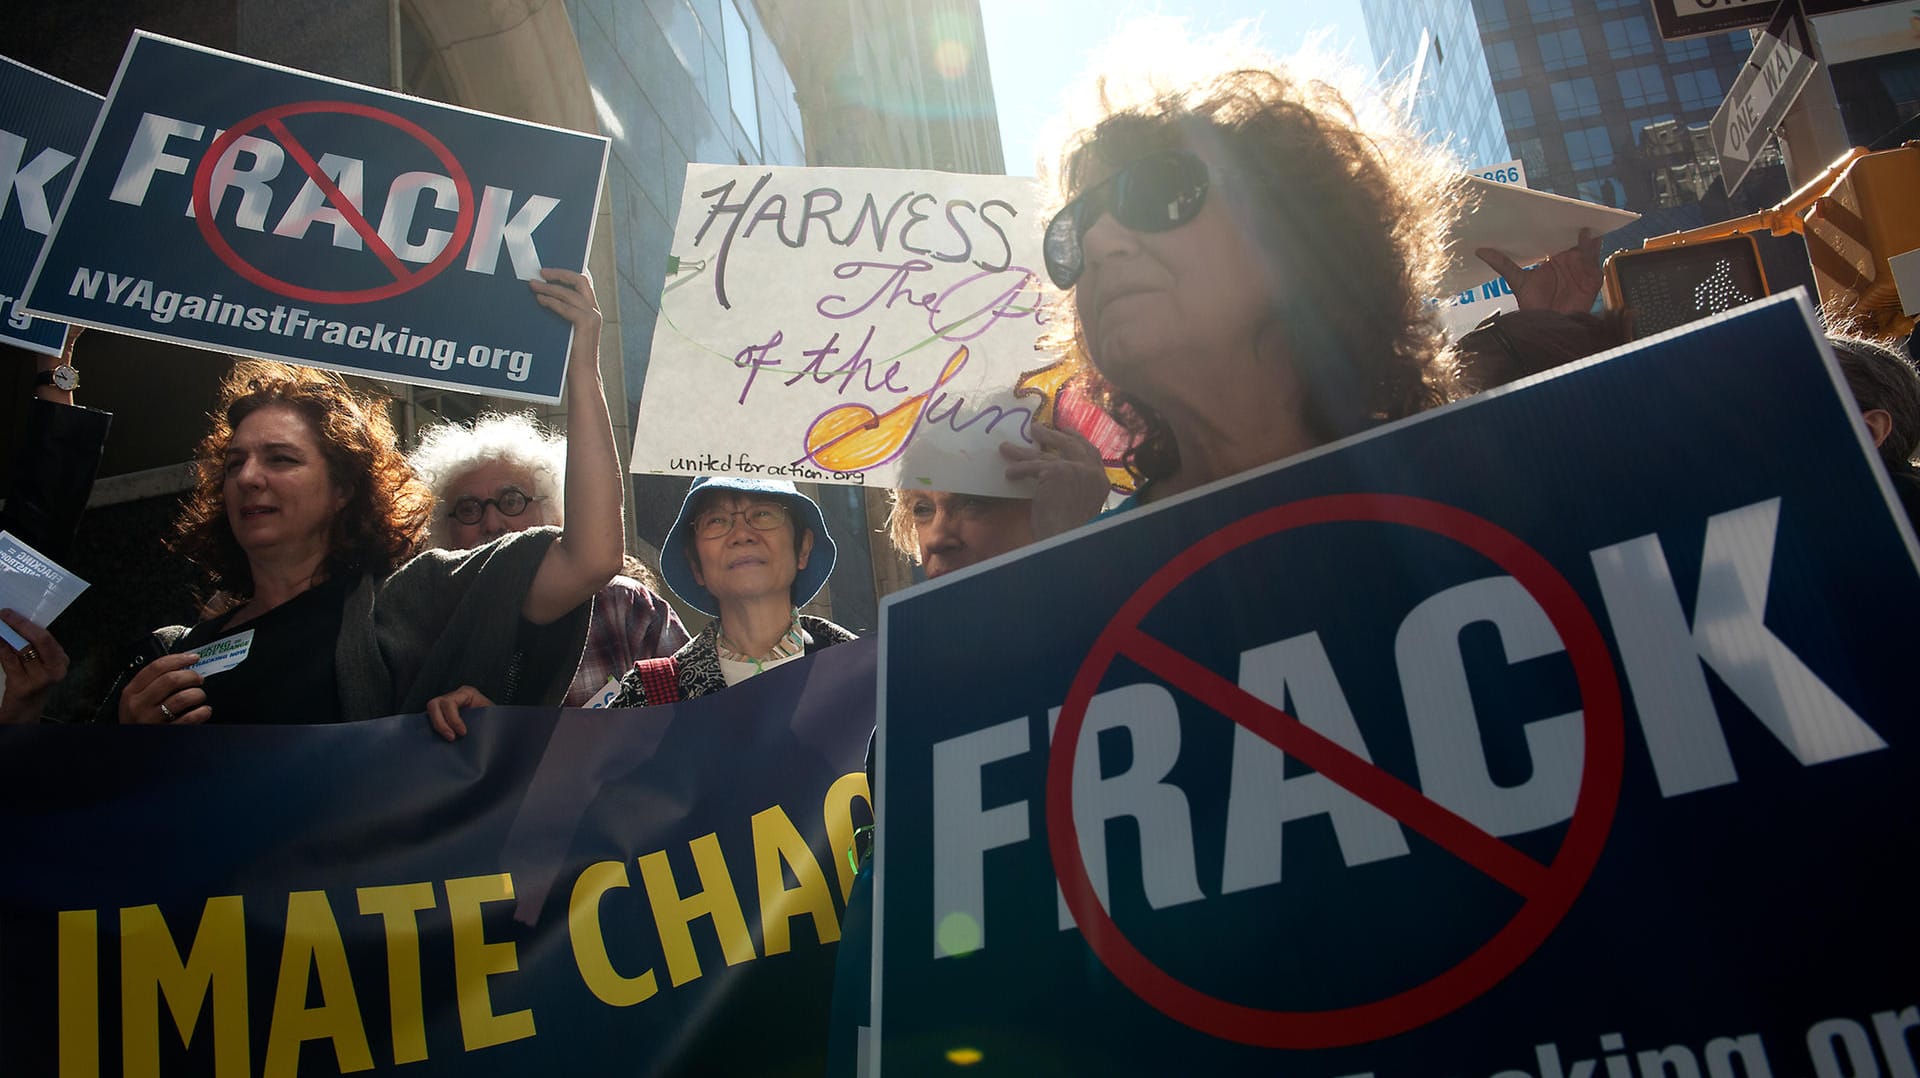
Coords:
1783,60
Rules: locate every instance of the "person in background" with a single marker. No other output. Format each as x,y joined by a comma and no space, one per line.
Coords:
749,552
1511,345
943,530
1247,253
1887,389
56,460
308,517
504,474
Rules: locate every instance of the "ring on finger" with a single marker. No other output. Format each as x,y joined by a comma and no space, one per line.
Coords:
165,711
29,654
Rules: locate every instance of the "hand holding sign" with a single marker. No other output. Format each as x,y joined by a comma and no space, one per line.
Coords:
1568,281
591,542
1070,480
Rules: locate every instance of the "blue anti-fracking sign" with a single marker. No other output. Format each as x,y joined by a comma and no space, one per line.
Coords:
43,130
231,204
1564,732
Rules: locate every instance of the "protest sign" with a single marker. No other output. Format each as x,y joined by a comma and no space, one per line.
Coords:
1465,309
44,124
649,892
1561,732
1527,225
861,326
232,204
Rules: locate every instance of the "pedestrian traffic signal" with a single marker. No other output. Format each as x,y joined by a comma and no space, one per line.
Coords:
1670,286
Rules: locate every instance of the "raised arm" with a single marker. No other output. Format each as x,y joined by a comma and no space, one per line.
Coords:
587,554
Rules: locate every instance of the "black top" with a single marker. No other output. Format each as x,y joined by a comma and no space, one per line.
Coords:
288,675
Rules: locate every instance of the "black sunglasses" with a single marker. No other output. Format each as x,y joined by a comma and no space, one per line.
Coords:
1158,192
512,502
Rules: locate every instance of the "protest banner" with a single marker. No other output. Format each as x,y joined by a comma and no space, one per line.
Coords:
862,326
650,892
232,204
44,124
1563,732
1527,225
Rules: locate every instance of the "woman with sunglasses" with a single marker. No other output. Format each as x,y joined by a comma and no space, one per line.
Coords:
749,552
504,474
307,518
1249,261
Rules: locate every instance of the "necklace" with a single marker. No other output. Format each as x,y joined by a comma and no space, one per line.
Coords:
790,645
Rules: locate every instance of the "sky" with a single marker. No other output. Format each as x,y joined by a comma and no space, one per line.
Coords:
1037,48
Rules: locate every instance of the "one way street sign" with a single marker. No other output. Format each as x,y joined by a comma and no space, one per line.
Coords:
1765,89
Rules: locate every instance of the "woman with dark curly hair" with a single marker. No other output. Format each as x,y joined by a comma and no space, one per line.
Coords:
309,519
1249,257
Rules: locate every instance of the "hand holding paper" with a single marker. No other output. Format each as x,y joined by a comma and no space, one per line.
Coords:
32,668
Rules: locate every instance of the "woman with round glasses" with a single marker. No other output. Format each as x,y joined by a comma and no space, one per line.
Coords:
504,474
1249,260
309,519
749,552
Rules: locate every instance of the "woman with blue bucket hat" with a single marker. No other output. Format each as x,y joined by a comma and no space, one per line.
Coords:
751,552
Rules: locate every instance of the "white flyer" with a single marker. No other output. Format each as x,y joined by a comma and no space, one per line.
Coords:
33,585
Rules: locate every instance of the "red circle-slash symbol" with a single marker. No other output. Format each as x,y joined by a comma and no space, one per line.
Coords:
273,119
1548,890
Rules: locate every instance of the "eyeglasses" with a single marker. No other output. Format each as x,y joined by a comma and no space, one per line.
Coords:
761,518
1156,193
512,502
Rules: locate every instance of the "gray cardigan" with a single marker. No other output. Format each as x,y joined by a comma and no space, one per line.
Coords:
450,618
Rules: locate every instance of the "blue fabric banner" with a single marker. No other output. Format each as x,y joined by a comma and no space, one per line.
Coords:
1564,732
648,892
232,204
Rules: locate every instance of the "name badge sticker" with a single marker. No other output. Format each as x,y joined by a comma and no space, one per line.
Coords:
225,654
606,694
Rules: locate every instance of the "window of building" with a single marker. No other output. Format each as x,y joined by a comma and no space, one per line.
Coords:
1641,86
1533,154
1543,10
1697,89
746,105
1503,60
1589,148
1516,108
1491,14
1640,124
1687,48
1609,5
1629,37
1561,50
1606,191
1575,99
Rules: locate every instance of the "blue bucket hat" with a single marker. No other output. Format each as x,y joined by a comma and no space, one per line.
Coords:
677,570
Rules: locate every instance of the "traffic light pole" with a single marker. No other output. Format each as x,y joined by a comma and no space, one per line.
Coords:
1813,129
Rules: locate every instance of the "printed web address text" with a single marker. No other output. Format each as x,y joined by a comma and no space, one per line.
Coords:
164,306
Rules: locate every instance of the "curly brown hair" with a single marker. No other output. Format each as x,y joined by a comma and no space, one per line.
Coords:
1352,212
384,521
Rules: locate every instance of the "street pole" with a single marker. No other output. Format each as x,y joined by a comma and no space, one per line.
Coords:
1812,134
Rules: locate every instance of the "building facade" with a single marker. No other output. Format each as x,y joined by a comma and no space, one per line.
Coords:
1599,108
1431,49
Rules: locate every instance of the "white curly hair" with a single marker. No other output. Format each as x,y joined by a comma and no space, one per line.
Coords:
449,451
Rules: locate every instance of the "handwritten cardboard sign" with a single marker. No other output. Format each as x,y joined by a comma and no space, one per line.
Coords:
859,326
